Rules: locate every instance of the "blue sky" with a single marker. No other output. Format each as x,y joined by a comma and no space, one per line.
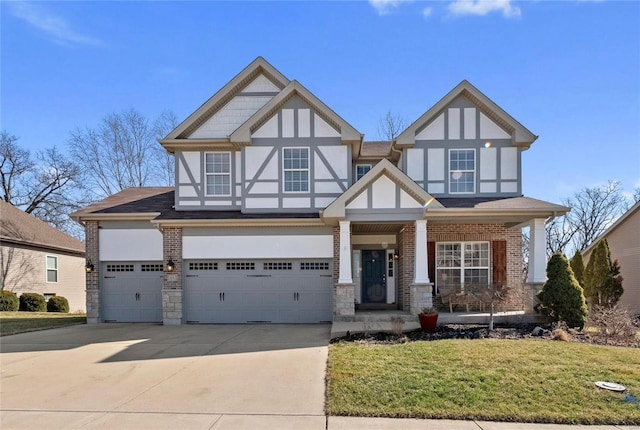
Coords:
567,70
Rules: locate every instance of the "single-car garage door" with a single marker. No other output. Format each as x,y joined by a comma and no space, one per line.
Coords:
131,291
241,291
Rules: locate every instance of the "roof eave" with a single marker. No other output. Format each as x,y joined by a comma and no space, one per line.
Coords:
253,222
123,216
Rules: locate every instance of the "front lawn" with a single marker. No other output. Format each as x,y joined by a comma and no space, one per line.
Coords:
496,380
20,322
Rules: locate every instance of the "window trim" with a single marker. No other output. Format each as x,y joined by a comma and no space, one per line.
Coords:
463,267
207,174
475,168
369,165
308,170
47,269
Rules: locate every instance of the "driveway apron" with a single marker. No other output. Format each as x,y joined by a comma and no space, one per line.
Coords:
200,376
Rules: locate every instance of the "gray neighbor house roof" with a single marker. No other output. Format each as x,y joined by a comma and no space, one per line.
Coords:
18,227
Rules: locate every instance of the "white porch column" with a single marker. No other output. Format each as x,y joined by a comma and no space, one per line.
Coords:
421,269
344,276
537,252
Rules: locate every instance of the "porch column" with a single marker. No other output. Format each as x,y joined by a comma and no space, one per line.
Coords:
344,275
92,237
421,268
537,252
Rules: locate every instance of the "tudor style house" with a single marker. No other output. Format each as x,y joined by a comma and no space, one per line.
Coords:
282,213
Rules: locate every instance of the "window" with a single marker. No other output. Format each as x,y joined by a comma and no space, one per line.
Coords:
151,267
203,266
462,171
119,267
314,266
462,263
217,167
296,170
277,266
361,170
52,268
241,265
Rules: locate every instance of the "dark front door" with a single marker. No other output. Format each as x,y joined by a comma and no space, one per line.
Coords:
374,281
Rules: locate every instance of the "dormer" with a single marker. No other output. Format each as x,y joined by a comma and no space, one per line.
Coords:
465,146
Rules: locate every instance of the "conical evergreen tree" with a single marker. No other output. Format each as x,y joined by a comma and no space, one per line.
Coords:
603,286
561,296
577,265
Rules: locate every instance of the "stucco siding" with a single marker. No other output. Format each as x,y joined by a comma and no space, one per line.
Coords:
26,273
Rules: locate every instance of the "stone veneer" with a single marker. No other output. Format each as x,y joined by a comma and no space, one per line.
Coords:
344,295
92,278
172,289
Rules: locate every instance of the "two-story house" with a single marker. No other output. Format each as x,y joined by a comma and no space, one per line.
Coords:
282,213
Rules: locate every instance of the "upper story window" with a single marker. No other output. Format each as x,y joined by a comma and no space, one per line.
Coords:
361,170
52,268
462,171
217,168
295,163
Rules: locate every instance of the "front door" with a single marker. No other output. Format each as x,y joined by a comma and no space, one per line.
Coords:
374,281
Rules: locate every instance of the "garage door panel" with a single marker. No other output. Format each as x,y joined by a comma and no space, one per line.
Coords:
131,291
293,291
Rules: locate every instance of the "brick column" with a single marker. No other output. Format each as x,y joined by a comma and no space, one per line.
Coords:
92,279
172,289
344,294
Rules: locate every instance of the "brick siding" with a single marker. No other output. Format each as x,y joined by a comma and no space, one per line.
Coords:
93,278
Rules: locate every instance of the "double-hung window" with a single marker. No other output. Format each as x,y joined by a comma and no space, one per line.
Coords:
217,168
295,164
52,269
361,170
462,263
462,171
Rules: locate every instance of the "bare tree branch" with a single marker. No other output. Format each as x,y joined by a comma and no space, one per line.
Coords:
390,126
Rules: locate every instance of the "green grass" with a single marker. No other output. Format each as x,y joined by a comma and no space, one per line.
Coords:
21,322
495,380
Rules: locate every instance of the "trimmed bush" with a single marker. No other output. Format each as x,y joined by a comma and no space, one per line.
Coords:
33,302
8,301
603,283
58,304
577,265
561,296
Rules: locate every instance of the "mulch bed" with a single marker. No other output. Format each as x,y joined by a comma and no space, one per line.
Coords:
463,331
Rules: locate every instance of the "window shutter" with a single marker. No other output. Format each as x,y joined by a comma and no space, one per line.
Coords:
499,258
431,260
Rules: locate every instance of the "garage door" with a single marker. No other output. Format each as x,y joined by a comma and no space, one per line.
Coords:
283,291
132,291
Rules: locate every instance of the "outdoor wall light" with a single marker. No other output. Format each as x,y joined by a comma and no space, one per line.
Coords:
89,266
170,265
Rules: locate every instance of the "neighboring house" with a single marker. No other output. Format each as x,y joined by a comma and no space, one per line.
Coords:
623,238
37,258
282,213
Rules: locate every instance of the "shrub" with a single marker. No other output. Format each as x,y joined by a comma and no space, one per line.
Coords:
8,301
58,304
612,323
577,265
33,302
560,334
561,296
602,280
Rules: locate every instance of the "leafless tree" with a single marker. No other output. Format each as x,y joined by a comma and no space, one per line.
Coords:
43,185
633,198
390,126
166,122
122,152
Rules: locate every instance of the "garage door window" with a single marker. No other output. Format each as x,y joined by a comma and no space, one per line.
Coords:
314,266
152,267
241,265
203,266
277,266
119,267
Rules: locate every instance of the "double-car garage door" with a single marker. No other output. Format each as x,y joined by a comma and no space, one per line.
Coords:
241,291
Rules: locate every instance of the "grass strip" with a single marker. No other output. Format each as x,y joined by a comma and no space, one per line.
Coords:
22,322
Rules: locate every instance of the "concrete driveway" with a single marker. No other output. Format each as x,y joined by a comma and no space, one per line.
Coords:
150,376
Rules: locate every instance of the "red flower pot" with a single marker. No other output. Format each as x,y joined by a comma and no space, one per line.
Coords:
428,322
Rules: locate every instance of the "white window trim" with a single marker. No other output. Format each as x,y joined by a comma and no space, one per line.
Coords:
462,263
46,269
308,170
218,174
475,168
369,165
